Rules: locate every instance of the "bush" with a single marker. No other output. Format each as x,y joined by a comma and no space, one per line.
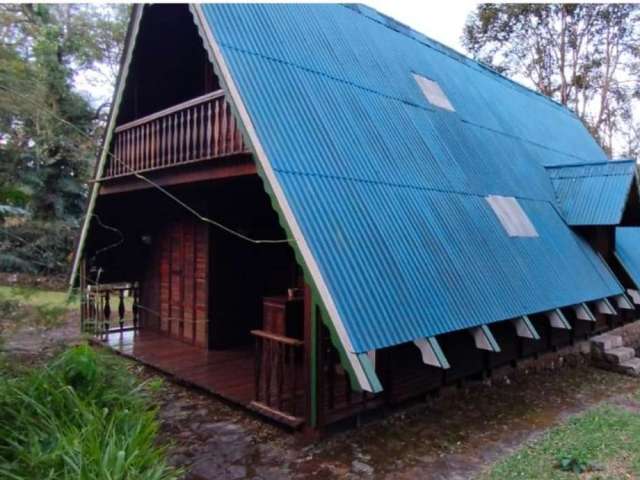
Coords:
82,417
36,247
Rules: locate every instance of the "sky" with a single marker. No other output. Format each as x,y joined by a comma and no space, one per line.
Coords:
442,21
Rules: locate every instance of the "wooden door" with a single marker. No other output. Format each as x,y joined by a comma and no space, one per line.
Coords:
184,264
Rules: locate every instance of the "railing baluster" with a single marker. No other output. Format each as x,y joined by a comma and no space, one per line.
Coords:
209,127
121,310
122,158
223,128
175,139
202,127
127,146
216,129
181,136
187,135
145,146
194,135
147,160
107,311
163,143
151,159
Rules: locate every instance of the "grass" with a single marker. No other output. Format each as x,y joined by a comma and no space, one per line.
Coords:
20,306
37,297
83,416
602,444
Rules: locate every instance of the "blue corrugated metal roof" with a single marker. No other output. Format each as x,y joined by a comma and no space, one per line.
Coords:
593,194
628,251
389,191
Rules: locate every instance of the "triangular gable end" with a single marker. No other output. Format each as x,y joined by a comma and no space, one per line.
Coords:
361,370
359,366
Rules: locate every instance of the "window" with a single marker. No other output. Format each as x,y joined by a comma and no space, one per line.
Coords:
512,217
433,92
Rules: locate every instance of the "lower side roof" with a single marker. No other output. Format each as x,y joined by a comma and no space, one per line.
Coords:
593,194
404,263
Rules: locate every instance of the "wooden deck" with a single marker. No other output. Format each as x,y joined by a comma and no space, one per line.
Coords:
225,373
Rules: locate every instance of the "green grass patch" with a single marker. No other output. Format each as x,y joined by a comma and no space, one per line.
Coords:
603,443
31,306
84,416
36,297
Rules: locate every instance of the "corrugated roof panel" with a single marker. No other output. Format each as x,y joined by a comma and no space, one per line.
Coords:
405,263
628,251
350,48
593,194
388,191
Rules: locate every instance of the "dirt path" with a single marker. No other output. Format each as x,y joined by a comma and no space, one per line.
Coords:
451,437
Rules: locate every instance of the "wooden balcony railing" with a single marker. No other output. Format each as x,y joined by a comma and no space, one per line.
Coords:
278,378
202,128
108,308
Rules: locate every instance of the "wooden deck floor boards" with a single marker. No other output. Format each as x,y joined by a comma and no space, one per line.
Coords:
225,373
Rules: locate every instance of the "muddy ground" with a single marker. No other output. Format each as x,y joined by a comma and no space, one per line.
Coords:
454,436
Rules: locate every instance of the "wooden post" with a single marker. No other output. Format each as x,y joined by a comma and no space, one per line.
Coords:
310,364
83,293
319,367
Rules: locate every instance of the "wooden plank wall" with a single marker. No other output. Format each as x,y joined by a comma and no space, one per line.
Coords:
183,281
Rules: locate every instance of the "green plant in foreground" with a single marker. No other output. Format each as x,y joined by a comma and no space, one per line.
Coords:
82,417
575,464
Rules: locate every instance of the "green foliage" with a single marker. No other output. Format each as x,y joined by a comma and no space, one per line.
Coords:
82,417
36,247
574,464
49,131
585,56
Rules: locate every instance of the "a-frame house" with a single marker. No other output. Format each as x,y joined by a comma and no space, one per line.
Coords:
313,210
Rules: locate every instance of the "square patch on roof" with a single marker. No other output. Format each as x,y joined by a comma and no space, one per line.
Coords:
433,92
512,217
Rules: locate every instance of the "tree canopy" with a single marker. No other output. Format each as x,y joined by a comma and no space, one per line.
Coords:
49,131
585,56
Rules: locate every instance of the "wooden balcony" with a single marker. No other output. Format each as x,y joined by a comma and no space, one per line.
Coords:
193,132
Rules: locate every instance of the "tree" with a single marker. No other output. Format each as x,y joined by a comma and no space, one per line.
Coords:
49,132
585,56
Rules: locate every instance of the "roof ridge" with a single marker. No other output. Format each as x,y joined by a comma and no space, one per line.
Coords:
451,52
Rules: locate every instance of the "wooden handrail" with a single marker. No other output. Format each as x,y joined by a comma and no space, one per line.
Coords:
278,338
278,366
169,111
199,129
